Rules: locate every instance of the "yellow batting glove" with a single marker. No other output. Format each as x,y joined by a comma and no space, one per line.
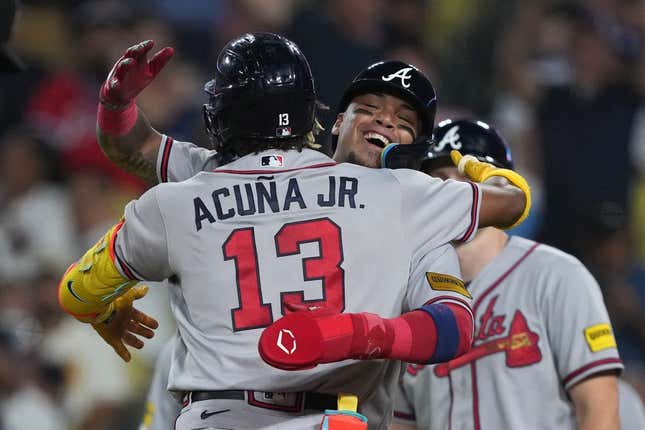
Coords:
480,171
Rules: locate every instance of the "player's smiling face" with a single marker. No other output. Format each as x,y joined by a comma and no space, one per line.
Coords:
370,122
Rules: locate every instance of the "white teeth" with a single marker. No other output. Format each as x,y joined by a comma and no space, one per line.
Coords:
374,135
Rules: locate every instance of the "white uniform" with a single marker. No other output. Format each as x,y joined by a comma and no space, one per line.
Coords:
240,242
541,326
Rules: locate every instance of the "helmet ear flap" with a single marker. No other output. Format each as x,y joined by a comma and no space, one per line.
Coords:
215,127
210,125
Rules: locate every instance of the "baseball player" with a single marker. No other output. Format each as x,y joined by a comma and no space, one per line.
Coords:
543,355
177,158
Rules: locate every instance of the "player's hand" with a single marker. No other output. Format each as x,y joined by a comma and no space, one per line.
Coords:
471,167
126,322
132,73
410,156
479,171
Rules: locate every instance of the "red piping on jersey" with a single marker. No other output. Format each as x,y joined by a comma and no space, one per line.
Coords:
457,299
473,213
165,159
588,366
115,256
504,276
259,172
473,376
473,369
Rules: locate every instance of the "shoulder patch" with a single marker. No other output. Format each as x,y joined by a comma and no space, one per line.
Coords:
443,282
599,337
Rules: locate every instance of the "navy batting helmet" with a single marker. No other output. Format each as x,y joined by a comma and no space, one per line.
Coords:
262,89
474,138
398,79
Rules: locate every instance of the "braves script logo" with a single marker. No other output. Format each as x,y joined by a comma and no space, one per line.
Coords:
403,74
451,138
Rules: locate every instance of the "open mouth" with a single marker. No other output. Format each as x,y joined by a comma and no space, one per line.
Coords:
376,139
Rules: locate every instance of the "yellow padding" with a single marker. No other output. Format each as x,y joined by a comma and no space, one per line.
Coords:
90,285
479,171
347,402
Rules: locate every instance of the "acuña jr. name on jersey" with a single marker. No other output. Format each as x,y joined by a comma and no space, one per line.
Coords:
262,196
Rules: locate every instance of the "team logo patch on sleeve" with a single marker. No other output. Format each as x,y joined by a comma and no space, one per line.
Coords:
600,337
443,282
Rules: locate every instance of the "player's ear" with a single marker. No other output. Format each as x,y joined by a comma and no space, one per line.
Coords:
335,129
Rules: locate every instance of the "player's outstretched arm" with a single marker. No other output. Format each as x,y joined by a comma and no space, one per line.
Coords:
93,291
434,333
124,133
595,401
506,203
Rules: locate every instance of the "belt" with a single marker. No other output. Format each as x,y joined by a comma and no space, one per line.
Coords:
313,400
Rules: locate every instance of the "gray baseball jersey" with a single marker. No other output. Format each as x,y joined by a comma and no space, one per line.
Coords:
178,161
541,326
348,230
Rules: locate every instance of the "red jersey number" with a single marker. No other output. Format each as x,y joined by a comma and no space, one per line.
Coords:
240,247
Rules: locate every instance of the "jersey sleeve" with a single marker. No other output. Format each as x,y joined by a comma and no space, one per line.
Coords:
141,247
437,278
436,212
178,161
578,326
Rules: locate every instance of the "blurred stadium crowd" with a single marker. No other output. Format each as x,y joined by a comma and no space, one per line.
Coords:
562,80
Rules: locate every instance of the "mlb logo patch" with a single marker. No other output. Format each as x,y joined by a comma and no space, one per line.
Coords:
283,131
273,160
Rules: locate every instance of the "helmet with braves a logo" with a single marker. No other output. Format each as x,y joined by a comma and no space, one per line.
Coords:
262,90
398,79
474,138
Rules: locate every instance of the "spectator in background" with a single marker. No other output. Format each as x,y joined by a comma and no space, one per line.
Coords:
28,385
35,221
586,128
62,105
9,62
339,38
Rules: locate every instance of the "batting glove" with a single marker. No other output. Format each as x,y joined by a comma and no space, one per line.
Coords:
410,156
132,73
479,171
125,322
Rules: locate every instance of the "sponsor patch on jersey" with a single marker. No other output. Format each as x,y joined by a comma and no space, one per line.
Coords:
443,282
273,160
600,337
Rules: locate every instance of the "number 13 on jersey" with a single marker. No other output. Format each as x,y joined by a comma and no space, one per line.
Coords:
240,247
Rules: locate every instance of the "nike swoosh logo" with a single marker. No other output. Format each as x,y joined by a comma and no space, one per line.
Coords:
206,414
73,293
265,177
